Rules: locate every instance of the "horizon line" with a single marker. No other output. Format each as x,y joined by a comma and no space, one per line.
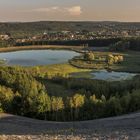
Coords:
117,21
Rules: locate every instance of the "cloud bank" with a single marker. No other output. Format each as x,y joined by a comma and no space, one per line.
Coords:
73,11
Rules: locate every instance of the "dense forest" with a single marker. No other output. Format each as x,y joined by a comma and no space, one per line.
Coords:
126,44
90,43
115,44
23,92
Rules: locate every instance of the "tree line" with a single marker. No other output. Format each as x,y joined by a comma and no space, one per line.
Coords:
126,44
114,44
94,42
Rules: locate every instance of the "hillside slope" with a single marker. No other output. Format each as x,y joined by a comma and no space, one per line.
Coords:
122,127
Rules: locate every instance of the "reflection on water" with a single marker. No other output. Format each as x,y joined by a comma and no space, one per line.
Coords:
37,57
112,76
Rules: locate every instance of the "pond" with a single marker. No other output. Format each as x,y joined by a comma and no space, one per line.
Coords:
104,75
37,57
112,76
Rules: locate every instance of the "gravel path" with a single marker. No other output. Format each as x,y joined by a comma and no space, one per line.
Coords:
116,128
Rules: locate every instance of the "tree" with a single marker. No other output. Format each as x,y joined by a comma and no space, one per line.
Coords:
110,59
120,46
1,110
89,56
17,106
76,102
125,102
120,58
57,105
6,98
93,99
43,104
113,107
103,98
135,101
114,59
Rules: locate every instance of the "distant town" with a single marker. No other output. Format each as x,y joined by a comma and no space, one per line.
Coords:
100,31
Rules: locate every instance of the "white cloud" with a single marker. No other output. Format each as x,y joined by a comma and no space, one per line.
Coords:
74,10
48,9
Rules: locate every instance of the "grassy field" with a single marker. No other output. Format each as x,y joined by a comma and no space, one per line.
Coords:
56,69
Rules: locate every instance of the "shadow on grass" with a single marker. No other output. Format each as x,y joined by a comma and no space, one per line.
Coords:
16,125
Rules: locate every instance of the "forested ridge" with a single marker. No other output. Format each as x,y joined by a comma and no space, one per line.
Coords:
24,93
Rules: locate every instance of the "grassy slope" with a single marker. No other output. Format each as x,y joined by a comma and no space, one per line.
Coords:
121,127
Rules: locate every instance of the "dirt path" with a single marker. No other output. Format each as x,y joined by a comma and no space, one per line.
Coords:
123,127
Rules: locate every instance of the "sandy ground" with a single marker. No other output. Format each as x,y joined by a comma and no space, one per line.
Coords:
116,128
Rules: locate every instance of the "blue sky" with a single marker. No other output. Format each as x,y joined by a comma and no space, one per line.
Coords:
92,10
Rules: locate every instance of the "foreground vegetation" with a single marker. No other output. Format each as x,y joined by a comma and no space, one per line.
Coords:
60,98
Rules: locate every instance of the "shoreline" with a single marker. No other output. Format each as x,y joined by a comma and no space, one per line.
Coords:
39,47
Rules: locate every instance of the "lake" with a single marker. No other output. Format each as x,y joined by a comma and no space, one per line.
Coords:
37,57
112,76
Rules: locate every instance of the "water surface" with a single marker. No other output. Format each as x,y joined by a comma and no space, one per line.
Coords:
104,75
37,57
112,76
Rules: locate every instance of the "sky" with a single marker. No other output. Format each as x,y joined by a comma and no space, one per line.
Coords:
69,10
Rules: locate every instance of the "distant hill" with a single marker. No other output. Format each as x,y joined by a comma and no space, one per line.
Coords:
21,29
